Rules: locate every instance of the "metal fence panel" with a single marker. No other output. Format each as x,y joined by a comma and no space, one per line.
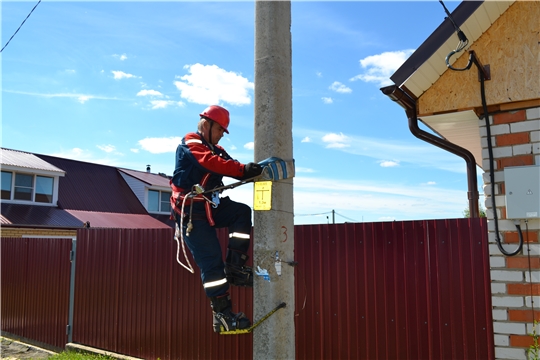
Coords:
35,276
133,298
393,290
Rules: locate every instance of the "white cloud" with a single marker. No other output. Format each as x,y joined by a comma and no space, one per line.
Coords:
107,148
249,146
162,104
430,183
340,88
417,153
303,170
149,93
327,100
381,67
388,163
319,74
120,57
336,140
83,98
70,71
382,200
136,151
85,155
122,75
306,139
209,84
160,145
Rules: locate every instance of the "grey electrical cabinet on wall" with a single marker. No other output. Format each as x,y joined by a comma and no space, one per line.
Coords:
522,185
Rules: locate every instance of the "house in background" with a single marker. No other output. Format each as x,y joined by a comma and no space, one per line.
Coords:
503,45
44,191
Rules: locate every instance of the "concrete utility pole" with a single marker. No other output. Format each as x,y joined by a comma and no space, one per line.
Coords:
274,229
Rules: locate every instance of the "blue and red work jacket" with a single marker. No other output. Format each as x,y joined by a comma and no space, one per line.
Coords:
198,162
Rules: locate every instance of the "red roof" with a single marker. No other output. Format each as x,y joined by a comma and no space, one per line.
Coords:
118,221
149,178
94,187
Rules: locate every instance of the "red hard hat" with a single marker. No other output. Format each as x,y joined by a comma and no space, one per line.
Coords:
217,114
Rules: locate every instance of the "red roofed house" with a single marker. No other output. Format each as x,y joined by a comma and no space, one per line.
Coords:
41,192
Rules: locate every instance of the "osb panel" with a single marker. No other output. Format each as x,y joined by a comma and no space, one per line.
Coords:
511,46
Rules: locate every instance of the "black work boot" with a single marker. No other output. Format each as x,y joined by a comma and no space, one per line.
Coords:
224,318
236,272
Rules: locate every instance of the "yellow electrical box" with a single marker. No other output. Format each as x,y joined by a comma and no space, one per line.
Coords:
262,196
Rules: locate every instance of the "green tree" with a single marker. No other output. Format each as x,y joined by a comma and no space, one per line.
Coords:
467,214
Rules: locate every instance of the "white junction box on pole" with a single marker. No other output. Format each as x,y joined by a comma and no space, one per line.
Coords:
522,192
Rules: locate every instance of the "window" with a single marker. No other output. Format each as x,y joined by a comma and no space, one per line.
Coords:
27,187
6,185
44,189
165,201
159,201
23,187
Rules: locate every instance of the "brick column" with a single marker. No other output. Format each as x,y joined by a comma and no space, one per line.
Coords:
516,142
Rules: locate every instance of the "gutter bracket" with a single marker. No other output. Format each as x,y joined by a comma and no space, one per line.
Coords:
482,69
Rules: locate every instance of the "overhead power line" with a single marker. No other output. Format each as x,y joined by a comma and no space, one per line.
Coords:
16,31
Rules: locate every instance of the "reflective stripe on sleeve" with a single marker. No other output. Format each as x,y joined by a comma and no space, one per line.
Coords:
195,141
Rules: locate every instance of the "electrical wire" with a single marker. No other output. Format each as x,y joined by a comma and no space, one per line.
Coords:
16,31
473,59
462,44
530,270
328,212
492,176
346,217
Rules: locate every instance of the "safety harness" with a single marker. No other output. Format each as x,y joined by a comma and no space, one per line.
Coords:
273,169
179,199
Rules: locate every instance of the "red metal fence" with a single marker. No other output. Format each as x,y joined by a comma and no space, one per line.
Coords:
392,290
35,276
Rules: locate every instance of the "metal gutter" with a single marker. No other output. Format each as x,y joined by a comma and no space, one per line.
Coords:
406,101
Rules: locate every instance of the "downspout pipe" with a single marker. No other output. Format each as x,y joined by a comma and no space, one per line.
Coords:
406,101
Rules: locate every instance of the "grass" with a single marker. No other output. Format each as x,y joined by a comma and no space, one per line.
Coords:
73,355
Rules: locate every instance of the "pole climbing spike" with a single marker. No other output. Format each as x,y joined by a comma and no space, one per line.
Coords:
250,329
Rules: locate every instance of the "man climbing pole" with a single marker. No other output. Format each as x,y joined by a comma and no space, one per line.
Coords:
200,166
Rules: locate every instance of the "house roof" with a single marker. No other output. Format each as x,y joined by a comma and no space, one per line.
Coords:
424,67
37,215
13,158
148,178
118,221
94,187
428,63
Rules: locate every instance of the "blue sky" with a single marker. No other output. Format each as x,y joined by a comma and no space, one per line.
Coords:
120,83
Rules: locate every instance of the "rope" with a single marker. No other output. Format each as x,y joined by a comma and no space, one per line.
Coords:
179,230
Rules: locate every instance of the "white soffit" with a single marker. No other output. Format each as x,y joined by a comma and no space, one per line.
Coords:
474,27
460,128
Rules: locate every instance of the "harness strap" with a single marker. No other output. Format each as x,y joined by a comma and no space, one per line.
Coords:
178,197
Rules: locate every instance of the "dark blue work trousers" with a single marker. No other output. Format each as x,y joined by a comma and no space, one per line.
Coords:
204,243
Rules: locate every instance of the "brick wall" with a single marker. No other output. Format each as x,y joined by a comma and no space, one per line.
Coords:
515,280
20,232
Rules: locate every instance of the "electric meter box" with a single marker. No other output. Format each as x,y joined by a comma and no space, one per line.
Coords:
522,185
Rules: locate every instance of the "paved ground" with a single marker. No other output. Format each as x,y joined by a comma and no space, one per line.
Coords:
14,350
